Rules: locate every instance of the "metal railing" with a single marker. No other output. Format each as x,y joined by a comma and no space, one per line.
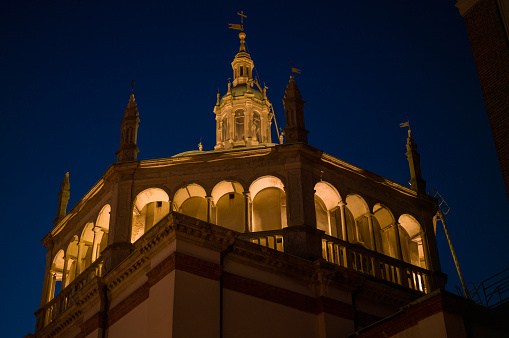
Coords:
491,292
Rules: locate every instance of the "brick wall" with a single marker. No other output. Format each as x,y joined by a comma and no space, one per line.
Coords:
490,47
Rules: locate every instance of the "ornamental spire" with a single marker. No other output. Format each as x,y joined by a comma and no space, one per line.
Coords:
63,199
129,132
416,182
295,130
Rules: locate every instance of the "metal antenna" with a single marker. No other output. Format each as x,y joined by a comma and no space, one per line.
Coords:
443,209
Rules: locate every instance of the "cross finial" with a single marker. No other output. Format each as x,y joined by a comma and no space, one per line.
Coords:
237,26
242,16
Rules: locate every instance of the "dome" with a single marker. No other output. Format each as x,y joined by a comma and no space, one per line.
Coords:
241,89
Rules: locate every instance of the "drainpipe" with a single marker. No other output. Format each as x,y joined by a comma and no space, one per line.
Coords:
221,262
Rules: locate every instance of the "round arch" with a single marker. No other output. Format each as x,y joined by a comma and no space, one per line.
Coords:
225,187
263,182
149,207
71,255
411,240
191,200
328,214
229,206
383,225
269,203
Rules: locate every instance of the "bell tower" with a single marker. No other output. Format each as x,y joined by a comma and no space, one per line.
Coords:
243,114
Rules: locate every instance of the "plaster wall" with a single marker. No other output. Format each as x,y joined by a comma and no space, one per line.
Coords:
196,306
161,305
133,324
246,316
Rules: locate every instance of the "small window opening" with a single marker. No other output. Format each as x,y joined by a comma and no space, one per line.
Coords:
159,204
232,195
241,71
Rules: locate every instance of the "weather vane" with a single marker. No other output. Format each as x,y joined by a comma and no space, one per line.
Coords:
292,69
237,26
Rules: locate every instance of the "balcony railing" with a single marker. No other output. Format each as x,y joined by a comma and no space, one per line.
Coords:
271,239
356,258
63,300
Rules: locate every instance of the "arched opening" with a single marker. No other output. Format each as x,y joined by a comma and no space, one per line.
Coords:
411,241
102,226
71,255
239,124
269,203
229,205
357,221
322,219
85,247
150,206
56,274
190,200
384,222
328,213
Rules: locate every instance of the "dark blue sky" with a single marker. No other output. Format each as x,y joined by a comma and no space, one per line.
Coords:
66,69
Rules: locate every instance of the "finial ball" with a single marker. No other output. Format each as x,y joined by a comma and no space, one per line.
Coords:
242,35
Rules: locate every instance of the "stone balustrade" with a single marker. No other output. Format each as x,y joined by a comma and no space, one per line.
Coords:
355,257
64,299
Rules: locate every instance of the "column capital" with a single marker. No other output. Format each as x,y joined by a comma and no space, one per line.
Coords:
342,203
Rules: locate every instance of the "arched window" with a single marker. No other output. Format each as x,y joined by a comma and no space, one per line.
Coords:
239,125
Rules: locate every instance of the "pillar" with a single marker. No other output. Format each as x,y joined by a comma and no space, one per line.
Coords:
399,252
79,263
247,210
96,242
51,286
64,271
371,231
209,207
344,229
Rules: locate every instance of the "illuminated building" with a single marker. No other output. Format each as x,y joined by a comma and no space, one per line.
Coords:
251,239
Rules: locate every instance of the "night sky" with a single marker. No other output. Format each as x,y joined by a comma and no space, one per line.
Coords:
65,79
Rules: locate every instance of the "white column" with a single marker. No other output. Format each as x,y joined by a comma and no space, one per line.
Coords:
209,207
96,242
247,213
51,287
399,252
344,229
371,231
79,263
64,271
